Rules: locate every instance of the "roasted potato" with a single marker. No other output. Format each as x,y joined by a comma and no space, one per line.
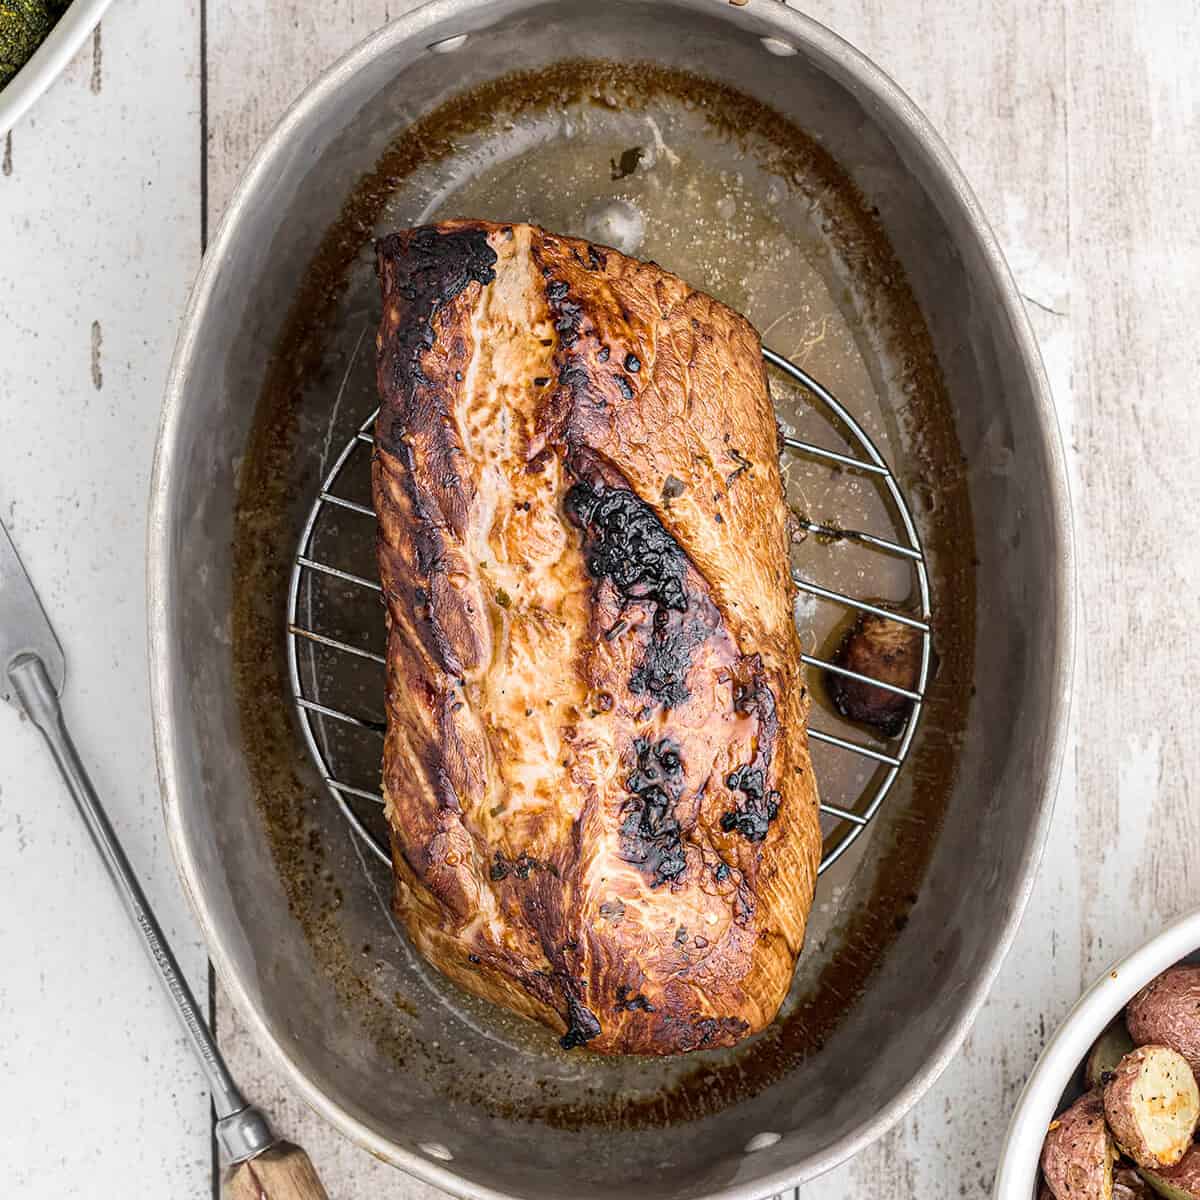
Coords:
1152,1104
1180,1182
1166,1012
880,649
1078,1153
1107,1050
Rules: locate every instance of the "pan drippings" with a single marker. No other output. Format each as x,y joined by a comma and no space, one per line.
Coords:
729,195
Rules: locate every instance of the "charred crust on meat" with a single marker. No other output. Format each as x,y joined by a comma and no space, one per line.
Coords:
626,544
711,1031
422,269
630,1001
624,387
695,1032
662,673
757,808
651,835
520,867
633,364
884,650
582,1025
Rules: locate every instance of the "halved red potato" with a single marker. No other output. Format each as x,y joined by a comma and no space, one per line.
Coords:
1166,1012
1152,1105
1079,1152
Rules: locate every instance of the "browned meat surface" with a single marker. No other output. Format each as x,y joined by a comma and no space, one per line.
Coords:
596,767
884,650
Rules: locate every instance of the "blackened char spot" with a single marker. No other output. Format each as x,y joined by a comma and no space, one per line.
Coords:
429,268
522,866
650,832
663,671
582,1025
757,808
632,1003
567,325
625,543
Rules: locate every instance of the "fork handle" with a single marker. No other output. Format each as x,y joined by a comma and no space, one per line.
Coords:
241,1129
282,1173
37,695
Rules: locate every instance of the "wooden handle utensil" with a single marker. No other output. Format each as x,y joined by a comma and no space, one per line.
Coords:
32,672
282,1173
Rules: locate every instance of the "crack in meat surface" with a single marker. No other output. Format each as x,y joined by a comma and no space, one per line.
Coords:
596,767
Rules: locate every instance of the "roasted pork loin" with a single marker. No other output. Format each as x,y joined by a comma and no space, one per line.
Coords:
596,768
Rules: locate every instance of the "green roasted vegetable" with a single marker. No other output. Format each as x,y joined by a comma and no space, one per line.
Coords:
24,24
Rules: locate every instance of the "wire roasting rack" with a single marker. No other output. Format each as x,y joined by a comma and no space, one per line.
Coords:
362,806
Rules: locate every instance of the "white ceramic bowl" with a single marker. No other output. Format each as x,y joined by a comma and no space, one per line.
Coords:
1054,1078
49,59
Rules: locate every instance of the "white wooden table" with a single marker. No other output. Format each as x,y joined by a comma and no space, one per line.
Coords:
1078,123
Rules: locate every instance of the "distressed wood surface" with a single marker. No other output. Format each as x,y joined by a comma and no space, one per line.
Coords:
1075,120
99,240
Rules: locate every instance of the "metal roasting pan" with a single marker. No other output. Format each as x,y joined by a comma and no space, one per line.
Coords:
780,170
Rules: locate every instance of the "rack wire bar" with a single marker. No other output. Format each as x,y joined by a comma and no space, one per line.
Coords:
851,817
357,580
854,535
